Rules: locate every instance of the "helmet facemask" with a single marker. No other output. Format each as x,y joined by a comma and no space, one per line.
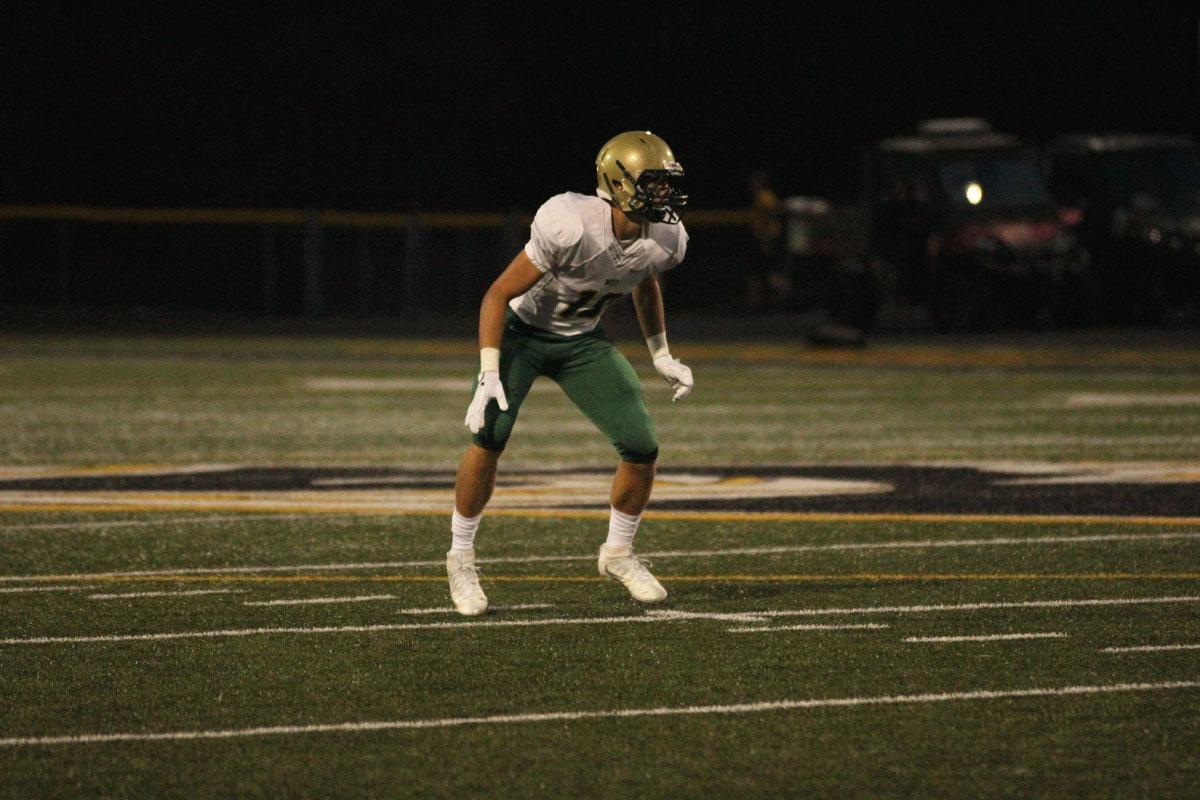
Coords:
637,173
657,196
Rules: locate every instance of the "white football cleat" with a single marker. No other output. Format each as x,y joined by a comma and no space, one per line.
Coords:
465,590
621,564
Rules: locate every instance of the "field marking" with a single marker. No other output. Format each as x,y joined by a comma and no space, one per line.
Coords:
918,544
864,626
22,589
1151,648
651,616
412,626
513,607
925,609
364,598
262,507
1128,399
358,598
912,576
189,593
828,577
164,522
622,713
991,637
722,616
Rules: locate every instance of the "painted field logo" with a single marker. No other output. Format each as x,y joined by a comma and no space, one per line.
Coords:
994,489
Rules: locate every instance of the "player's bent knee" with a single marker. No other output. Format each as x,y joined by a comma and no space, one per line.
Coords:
489,443
486,454
637,456
495,432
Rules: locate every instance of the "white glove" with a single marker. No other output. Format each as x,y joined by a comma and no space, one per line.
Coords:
678,375
489,387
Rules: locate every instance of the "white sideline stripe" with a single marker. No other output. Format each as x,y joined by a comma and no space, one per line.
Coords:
919,544
163,522
442,610
1126,399
923,544
737,616
922,609
189,593
991,637
361,598
649,616
413,626
625,713
1151,648
18,589
865,626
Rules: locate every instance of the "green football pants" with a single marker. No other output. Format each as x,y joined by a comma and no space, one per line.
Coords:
593,373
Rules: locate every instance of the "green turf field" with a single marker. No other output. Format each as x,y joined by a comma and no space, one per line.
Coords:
1015,613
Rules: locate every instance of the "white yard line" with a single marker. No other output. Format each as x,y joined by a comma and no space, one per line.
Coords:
920,544
227,570
658,616
1151,648
364,598
738,616
924,609
621,713
189,593
516,607
360,598
991,637
162,522
865,626
1127,399
414,626
22,589
917,544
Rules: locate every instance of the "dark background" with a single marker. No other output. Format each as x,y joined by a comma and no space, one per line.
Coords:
485,106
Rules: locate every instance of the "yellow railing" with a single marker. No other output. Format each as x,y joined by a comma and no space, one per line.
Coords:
322,218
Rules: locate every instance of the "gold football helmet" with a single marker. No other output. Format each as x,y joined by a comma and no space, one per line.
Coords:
637,172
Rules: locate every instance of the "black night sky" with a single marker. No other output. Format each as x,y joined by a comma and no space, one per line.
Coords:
486,105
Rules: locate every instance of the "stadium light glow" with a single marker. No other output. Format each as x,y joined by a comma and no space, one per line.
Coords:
974,193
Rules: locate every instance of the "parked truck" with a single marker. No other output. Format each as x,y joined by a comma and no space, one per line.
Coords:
956,220
1139,200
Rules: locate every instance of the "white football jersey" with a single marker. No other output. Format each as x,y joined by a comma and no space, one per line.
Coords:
585,267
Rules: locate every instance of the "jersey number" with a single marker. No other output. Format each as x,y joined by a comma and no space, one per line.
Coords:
583,306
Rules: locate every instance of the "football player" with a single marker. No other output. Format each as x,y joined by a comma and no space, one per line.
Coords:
541,317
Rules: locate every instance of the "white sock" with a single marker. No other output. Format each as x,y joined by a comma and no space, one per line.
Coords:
622,528
462,530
